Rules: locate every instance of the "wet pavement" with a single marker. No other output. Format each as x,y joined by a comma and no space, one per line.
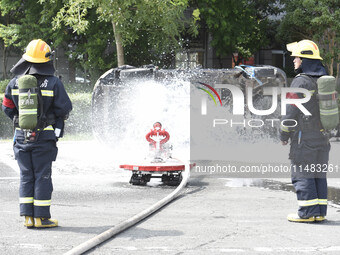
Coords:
215,214
283,185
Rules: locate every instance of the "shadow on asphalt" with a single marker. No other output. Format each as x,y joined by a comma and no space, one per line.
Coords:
143,233
330,223
85,230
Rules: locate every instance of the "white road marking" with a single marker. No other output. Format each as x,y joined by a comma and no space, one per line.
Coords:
9,178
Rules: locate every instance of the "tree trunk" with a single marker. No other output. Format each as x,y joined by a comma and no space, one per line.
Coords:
71,71
4,61
337,74
331,39
119,45
330,67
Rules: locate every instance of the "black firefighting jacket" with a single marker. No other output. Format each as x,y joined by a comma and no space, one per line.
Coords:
56,103
309,127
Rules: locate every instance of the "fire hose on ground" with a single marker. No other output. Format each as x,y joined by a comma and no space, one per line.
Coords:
86,246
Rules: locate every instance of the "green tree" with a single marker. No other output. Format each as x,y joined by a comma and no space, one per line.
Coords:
22,21
163,20
8,31
91,52
238,26
317,20
27,20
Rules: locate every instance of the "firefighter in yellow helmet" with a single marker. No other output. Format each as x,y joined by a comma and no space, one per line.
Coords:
37,51
309,146
304,49
46,105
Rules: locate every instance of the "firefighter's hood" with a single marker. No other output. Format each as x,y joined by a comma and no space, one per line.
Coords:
313,67
24,67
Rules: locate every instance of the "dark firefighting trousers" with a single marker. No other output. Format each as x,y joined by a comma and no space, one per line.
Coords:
309,170
35,163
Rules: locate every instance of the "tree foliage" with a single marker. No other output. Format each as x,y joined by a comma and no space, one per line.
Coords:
162,20
149,30
238,26
26,20
84,28
317,20
21,21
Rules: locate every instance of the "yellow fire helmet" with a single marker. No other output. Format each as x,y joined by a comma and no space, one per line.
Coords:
37,51
304,49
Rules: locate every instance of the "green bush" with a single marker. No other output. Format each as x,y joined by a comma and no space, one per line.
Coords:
79,121
78,124
3,85
70,87
78,87
6,127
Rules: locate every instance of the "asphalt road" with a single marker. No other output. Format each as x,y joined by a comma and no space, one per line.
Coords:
215,215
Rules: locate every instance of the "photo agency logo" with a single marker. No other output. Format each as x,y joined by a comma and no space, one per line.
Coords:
241,103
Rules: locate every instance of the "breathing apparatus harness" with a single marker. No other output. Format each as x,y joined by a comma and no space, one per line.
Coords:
328,108
30,121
